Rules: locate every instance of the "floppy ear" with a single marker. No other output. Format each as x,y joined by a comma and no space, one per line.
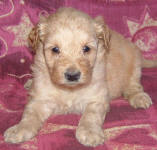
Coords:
102,31
37,33
33,38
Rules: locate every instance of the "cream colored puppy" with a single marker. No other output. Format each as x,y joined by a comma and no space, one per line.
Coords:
79,67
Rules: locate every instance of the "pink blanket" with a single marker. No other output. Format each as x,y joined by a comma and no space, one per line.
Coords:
125,128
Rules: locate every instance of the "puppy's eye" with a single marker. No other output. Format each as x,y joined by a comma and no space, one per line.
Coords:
86,49
55,50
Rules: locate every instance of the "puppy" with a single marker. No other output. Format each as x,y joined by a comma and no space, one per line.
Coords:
79,67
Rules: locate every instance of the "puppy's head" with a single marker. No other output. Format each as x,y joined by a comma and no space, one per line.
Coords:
70,39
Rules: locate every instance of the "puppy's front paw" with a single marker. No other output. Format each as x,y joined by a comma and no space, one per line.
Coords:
141,100
18,133
90,136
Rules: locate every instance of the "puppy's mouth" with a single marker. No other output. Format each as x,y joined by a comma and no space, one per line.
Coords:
71,79
71,83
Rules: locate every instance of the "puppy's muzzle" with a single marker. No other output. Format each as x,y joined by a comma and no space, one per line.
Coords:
72,76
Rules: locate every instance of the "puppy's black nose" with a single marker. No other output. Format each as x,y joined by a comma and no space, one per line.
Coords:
72,76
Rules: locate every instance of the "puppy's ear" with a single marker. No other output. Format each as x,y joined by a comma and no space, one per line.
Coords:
37,33
102,31
33,38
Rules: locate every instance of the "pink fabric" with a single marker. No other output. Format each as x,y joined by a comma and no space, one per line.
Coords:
125,127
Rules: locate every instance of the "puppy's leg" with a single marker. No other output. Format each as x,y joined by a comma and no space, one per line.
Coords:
33,117
89,131
134,92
